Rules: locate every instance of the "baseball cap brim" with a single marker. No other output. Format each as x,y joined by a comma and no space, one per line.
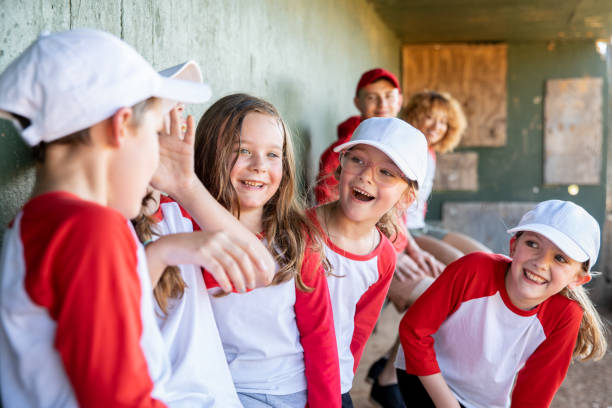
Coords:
562,241
185,78
385,149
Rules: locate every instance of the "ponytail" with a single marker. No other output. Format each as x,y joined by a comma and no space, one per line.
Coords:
591,342
170,283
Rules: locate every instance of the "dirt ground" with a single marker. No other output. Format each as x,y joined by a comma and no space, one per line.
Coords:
588,384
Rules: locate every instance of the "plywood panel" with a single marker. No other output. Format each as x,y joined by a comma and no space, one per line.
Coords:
457,171
474,74
573,132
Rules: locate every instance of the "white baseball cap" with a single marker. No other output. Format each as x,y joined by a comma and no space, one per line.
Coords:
404,144
187,71
69,81
567,225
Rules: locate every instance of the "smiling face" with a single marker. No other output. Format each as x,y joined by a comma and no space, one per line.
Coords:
434,126
258,170
370,184
379,99
539,270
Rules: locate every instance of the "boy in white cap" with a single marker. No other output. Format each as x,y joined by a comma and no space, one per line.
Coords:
76,311
498,332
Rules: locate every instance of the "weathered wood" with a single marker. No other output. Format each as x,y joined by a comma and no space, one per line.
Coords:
474,74
486,222
457,171
573,132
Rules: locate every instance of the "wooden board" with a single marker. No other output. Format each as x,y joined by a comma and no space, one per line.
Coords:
474,74
456,171
573,132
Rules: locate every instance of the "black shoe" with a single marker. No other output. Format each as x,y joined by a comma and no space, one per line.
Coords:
386,396
376,369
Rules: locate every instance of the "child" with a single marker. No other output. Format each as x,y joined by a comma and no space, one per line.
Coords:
440,117
279,341
76,310
380,170
499,332
378,94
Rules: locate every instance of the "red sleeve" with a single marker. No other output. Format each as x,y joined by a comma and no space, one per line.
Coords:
315,322
370,304
93,292
542,375
459,282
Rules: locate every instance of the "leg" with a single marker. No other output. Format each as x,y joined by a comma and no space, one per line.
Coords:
464,243
385,392
412,390
347,402
441,250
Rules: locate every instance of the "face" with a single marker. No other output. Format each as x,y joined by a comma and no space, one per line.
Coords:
370,184
135,162
434,126
258,170
539,270
380,98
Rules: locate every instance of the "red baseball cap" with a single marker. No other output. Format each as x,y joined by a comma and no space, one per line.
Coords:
374,75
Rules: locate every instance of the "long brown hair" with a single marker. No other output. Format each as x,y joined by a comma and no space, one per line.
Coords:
425,103
286,227
170,284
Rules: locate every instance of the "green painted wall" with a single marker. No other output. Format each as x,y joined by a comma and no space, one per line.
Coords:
515,172
305,56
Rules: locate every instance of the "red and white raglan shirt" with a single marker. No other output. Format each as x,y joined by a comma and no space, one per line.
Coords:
357,291
77,326
200,375
491,353
415,214
280,340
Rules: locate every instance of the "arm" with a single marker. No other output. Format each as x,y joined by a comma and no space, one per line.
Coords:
315,322
97,307
439,392
544,371
176,177
422,258
369,306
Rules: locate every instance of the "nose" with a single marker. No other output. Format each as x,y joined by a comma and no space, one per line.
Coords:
257,163
543,259
367,173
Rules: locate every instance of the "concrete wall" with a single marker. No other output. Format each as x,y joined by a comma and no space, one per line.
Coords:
304,56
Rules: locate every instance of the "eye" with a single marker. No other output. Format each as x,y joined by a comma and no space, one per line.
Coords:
560,258
531,244
356,160
274,155
388,173
243,150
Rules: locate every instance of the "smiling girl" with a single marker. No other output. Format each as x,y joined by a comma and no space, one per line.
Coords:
498,332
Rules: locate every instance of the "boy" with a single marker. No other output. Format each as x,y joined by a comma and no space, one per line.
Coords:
378,94
76,311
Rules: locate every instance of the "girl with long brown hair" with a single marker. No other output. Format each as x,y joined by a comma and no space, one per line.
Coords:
279,341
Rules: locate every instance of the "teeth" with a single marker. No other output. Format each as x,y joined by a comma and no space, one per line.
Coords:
252,183
363,192
534,277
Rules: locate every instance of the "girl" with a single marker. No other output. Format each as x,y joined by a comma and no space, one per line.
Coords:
504,330
279,341
380,170
440,117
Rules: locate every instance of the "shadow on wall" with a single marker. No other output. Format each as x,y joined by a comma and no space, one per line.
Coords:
16,173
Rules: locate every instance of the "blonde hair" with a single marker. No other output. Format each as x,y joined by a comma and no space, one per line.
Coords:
170,284
425,103
591,341
286,226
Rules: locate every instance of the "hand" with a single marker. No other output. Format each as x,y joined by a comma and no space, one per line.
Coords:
406,269
424,260
406,278
229,260
176,169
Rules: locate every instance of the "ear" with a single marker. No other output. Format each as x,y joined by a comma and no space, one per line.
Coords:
580,279
400,101
357,103
120,126
512,245
406,200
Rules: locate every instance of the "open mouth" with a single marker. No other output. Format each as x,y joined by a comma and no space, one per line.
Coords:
534,278
362,195
252,184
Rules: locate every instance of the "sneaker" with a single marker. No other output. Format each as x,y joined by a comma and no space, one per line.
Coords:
376,369
386,396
